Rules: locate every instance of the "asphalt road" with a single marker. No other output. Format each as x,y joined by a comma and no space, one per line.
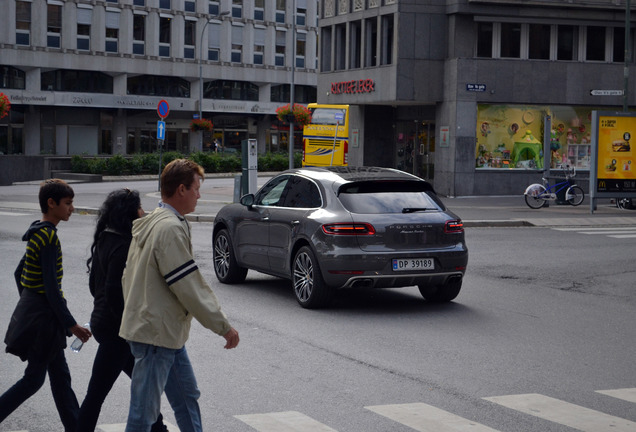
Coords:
547,313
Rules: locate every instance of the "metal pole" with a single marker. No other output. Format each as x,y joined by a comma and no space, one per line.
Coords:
627,55
335,135
201,71
291,89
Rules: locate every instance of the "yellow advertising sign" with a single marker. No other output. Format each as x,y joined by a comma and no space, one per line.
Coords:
615,161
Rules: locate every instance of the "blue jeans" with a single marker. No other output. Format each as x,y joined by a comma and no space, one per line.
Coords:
157,368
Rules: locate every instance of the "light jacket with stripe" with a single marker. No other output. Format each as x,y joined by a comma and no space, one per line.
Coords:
162,285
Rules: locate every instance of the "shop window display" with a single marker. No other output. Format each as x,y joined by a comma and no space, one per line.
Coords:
511,136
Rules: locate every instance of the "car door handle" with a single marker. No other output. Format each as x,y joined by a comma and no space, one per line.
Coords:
265,218
295,222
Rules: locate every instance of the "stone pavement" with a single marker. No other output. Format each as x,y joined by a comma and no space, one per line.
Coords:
218,190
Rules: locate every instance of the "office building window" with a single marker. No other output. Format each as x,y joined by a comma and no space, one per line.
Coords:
510,46
279,59
237,44
164,36
237,8
139,34
280,11
355,44
214,41
188,38
387,39
371,42
213,7
189,6
164,4
53,25
484,39
341,47
618,46
301,12
231,90
259,45
69,80
325,49
152,85
595,43
84,20
139,2
302,94
301,45
12,78
567,42
259,10
539,36
112,31
23,22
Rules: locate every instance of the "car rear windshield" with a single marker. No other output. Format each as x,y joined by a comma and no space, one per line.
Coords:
376,197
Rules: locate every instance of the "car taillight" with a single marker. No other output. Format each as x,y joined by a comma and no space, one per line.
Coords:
345,149
348,229
454,226
304,146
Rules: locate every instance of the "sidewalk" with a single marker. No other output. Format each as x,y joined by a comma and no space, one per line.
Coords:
218,190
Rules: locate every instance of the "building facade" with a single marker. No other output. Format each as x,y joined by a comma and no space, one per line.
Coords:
469,94
87,76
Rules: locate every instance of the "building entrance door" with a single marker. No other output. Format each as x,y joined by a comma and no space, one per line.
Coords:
415,148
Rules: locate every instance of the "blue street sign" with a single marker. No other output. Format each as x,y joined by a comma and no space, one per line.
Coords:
161,130
163,109
339,116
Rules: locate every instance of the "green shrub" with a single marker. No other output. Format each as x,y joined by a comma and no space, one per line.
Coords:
116,165
79,164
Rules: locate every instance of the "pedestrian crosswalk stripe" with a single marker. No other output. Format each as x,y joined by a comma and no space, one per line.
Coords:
613,232
288,421
565,413
427,418
628,394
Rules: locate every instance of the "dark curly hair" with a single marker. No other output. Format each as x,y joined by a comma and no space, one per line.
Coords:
118,212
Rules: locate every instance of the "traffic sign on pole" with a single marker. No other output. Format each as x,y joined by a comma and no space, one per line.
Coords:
163,109
161,130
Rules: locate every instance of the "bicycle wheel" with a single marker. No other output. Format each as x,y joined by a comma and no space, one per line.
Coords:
574,195
533,196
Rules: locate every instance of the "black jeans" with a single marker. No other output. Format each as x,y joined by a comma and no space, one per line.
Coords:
113,357
32,381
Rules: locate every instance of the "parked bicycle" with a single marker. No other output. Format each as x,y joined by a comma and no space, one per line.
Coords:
626,203
537,195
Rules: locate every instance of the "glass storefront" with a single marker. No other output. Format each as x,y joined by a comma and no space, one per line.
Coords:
511,136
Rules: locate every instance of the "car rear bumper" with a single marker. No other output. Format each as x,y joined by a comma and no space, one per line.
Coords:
393,281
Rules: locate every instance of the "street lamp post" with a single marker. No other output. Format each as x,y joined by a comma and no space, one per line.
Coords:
291,87
201,71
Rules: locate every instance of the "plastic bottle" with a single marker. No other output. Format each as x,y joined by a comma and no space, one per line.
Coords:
77,344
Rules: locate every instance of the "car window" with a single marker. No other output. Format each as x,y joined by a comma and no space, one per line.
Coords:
270,194
302,193
389,197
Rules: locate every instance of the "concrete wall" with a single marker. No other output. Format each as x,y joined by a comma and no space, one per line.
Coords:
26,168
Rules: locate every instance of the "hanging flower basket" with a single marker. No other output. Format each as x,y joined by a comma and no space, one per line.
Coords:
299,114
201,125
5,105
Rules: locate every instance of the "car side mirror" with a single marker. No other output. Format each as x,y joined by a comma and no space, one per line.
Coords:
247,200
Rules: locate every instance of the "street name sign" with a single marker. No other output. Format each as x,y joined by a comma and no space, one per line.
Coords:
606,92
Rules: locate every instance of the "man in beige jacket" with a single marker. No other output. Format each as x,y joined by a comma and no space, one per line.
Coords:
163,290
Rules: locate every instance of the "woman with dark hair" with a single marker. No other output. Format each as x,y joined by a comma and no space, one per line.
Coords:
106,264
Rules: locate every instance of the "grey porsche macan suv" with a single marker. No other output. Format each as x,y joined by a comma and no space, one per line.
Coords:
338,227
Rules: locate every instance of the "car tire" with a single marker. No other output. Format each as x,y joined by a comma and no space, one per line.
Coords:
441,293
310,289
226,268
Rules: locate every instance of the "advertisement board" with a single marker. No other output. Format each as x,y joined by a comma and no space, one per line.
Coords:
613,171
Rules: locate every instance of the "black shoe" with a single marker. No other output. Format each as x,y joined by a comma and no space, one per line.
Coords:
159,427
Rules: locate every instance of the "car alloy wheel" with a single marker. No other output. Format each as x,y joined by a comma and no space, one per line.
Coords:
309,286
225,266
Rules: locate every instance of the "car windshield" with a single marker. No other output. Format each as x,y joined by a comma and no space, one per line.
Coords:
376,197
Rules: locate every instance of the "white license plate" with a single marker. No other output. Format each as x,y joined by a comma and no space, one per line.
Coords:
413,264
